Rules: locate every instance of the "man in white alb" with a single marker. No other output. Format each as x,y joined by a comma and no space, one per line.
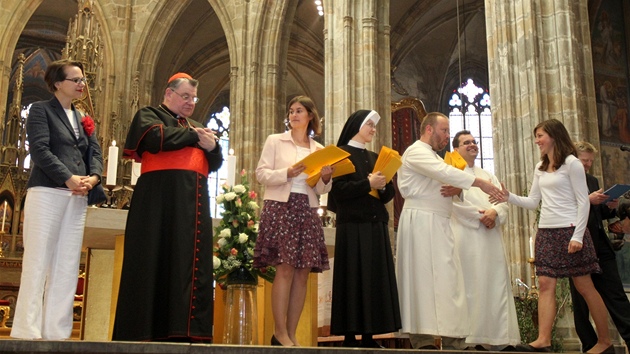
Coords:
428,269
476,224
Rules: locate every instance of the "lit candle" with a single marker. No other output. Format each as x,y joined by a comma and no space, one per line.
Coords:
323,199
531,247
136,170
231,165
4,215
112,164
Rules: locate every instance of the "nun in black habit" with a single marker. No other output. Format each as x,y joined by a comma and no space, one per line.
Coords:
365,295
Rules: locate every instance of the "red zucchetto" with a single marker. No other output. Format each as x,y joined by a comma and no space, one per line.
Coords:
179,76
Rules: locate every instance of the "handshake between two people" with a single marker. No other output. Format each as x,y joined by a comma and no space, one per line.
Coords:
497,195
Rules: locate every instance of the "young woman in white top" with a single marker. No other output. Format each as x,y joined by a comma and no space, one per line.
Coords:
563,244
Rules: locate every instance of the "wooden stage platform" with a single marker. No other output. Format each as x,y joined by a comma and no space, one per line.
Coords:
73,346
330,344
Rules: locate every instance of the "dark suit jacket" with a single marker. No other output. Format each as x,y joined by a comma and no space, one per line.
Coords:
597,214
56,153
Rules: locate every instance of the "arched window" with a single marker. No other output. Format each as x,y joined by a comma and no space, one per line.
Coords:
220,123
470,110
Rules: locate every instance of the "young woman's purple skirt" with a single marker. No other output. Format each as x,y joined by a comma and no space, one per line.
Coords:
553,259
291,233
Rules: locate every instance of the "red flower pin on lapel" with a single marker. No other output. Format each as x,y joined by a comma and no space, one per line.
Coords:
88,125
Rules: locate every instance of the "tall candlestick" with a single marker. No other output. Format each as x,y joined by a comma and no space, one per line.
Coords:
4,215
231,165
531,247
136,170
112,164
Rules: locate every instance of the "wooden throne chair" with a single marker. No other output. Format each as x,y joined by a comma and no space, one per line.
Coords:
407,115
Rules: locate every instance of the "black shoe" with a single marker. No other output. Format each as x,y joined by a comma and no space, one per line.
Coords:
509,348
429,347
530,348
478,347
370,343
351,343
274,341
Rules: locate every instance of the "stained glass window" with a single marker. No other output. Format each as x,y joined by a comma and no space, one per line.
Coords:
470,110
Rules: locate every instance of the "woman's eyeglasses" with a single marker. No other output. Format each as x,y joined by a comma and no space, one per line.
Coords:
78,80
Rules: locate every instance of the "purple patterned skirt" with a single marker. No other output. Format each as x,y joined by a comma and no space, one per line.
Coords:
291,232
553,259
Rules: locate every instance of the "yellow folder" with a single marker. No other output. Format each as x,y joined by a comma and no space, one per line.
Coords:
330,155
342,167
388,162
455,159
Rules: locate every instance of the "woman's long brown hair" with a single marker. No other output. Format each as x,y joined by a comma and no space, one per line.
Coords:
563,145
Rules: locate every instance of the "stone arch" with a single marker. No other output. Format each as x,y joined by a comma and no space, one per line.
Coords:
202,63
147,50
21,14
258,65
400,37
208,63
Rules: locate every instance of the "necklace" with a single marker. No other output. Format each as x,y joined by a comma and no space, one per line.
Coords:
167,111
181,121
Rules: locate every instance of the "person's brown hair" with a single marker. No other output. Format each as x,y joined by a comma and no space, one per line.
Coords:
430,120
457,135
563,145
56,72
585,146
314,125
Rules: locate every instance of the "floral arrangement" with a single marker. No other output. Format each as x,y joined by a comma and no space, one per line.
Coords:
235,237
88,125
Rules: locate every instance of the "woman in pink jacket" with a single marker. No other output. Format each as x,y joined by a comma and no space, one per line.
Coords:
291,237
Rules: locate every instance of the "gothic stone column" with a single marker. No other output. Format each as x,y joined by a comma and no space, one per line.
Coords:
257,34
540,67
357,69
357,60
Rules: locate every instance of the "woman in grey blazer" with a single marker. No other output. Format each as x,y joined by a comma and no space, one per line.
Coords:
55,206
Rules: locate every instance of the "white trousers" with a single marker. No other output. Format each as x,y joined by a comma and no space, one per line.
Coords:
54,220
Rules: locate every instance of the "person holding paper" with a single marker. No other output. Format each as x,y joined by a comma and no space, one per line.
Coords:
428,268
476,225
608,282
365,294
290,234
166,285
55,206
563,243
